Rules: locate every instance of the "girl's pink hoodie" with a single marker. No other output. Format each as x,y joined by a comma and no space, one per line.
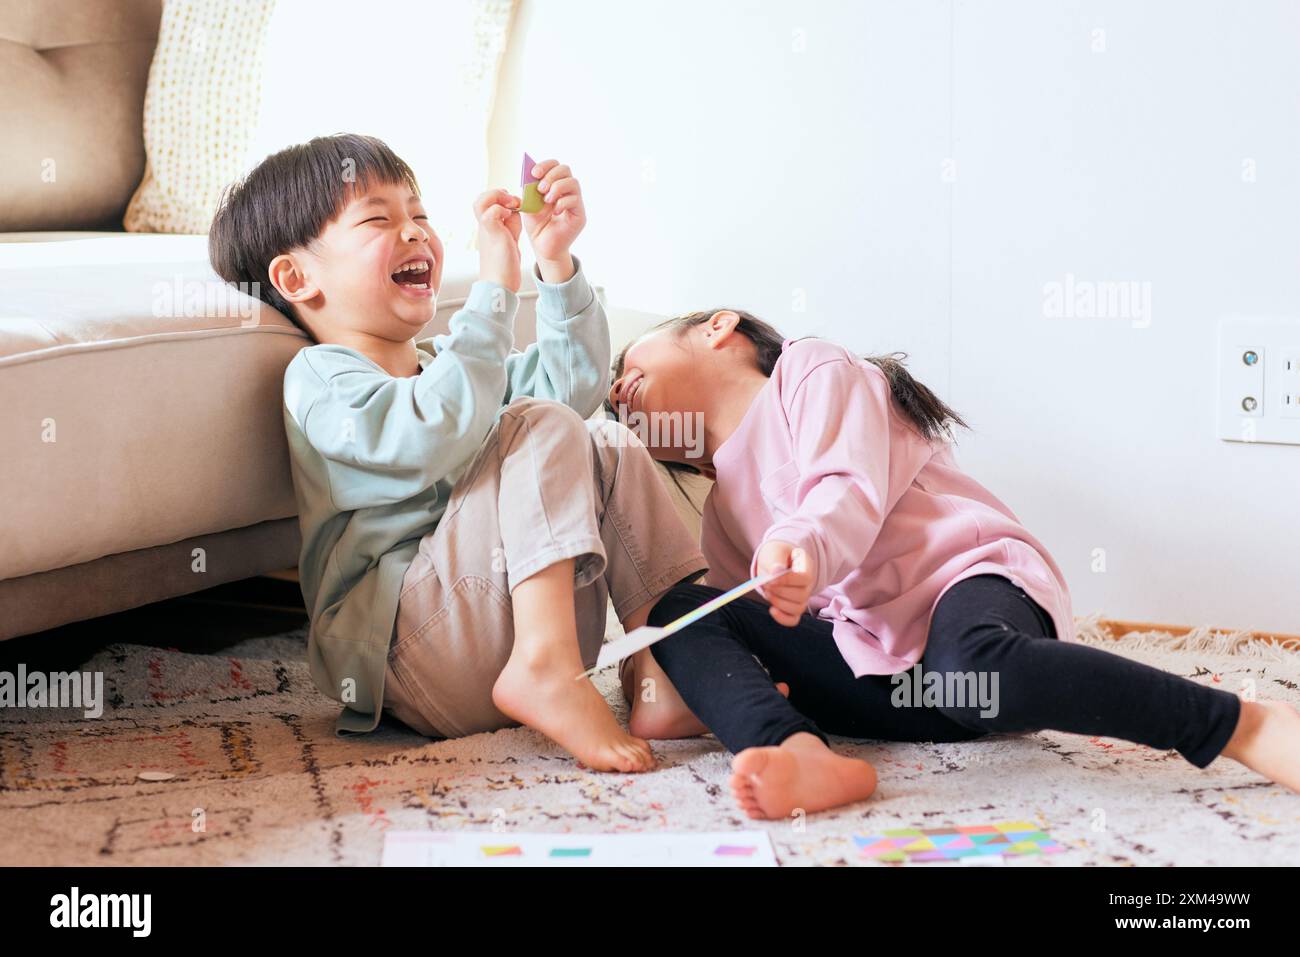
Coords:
824,460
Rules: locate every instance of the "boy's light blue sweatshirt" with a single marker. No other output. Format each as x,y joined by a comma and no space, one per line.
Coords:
374,459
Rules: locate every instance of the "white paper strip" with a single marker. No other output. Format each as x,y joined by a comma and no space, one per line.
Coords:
647,635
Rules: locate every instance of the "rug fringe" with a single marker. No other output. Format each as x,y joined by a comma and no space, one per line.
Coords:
1091,631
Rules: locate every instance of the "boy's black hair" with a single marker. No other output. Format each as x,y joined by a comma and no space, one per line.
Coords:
285,202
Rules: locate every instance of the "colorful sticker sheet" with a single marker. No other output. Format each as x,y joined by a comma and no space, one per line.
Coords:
1006,839
489,849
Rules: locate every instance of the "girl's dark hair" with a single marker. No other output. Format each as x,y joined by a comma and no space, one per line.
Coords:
931,416
288,199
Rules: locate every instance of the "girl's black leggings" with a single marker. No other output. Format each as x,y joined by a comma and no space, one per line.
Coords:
995,649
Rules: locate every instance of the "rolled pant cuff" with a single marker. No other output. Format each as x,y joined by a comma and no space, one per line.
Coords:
657,586
589,551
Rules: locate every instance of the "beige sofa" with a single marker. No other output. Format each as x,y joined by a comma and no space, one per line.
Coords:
142,451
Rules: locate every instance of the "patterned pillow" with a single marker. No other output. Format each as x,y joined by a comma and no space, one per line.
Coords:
200,111
235,80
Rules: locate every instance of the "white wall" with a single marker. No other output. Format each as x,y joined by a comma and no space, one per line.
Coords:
338,66
761,153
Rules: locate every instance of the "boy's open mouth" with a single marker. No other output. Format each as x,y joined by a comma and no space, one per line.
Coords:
414,275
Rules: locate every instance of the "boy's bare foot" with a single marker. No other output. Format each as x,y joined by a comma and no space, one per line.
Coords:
1267,740
665,715
802,773
541,692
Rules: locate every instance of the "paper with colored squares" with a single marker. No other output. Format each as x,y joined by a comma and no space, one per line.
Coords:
907,845
488,849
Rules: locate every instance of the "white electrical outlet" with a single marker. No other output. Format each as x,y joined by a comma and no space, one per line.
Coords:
1259,380
1289,385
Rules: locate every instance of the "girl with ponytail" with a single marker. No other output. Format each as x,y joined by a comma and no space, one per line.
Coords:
914,607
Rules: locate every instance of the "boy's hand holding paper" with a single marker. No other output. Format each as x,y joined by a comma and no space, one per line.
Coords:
552,211
554,215
498,238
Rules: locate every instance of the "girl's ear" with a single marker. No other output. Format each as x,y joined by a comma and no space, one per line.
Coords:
720,327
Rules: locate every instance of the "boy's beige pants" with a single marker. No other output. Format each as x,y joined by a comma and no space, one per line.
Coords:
546,486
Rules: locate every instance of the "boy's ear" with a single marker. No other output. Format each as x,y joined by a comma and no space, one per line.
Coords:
720,326
289,279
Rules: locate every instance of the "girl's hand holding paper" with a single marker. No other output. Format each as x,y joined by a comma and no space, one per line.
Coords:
789,596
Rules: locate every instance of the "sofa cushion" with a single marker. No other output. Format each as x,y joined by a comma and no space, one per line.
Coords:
72,82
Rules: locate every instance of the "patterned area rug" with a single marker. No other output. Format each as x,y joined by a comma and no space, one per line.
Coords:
249,771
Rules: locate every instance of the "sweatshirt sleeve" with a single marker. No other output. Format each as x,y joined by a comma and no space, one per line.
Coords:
385,438
570,360
840,424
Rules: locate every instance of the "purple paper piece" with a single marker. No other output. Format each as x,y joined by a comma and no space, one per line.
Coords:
527,176
734,850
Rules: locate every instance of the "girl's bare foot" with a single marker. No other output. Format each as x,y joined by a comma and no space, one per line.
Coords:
1267,740
801,773
658,711
540,691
